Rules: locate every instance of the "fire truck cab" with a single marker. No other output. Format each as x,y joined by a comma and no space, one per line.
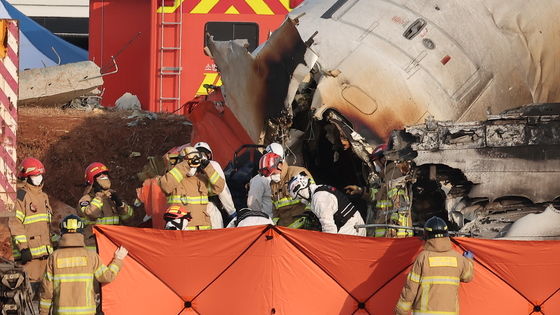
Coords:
155,49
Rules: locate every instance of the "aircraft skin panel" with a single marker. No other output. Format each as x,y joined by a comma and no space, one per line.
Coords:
386,64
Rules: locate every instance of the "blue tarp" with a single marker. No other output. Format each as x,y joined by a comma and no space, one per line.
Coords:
38,45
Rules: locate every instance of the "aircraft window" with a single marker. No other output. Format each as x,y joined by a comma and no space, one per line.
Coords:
223,31
414,28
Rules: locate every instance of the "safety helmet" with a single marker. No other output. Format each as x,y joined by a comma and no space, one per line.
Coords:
176,217
435,227
93,170
72,224
379,152
269,163
204,146
30,167
275,148
297,183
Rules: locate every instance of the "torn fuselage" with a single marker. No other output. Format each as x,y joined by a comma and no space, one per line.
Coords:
355,70
508,162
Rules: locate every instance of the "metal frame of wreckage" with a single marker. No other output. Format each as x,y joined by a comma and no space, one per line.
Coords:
413,228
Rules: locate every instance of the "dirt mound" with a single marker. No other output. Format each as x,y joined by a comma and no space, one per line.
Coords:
68,141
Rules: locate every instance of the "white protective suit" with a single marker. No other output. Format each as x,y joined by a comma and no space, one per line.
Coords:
260,196
324,205
251,221
225,197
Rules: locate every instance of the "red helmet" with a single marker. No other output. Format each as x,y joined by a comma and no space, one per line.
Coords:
176,212
93,170
30,167
269,163
379,152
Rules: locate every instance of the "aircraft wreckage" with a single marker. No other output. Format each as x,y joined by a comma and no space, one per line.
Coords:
437,73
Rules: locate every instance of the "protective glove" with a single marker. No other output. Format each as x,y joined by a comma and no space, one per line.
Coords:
203,163
353,190
468,254
25,255
116,199
121,253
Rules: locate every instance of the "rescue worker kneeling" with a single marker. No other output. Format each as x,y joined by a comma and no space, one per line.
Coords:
432,285
335,212
71,271
187,185
248,217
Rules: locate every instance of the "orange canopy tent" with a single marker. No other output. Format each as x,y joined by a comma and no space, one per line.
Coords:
274,270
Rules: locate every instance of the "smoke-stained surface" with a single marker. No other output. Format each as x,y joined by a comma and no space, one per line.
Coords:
256,86
387,64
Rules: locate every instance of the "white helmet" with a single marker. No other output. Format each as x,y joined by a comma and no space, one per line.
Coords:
203,145
297,184
275,148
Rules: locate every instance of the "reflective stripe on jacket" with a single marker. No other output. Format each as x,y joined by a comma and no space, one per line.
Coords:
98,208
30,227
286,208
69,280
433,283
192,191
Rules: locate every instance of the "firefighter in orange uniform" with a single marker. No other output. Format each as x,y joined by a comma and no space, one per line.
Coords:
187,185
30,228
71,271
101,204
432,286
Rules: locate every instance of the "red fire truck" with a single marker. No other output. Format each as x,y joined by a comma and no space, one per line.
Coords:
155,48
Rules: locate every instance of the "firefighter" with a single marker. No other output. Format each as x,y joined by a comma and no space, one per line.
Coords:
71,270
187,185
335,212
248,217
101,204
259,197
391,196
287,209
220,205
30,228
433,283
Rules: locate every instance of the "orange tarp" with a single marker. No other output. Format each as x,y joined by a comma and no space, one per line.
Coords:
272,270
155,203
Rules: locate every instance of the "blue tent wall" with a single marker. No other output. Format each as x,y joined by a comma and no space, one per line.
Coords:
37,43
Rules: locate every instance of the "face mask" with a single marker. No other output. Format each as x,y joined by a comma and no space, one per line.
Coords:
36,180
275,178
104,182
191,172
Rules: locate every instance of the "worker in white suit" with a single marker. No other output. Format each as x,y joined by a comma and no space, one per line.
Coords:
259,197
222,199
248,217
335,212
